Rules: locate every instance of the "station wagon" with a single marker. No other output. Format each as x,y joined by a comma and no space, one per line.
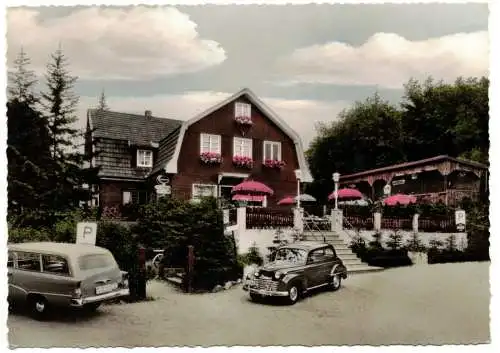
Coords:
295,269
47,274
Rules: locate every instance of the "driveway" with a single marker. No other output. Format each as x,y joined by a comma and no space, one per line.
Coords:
434,304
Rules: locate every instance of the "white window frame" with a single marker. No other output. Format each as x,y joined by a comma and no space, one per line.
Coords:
210,142
126,197
272,143
242,110
147,164
238,143
196,198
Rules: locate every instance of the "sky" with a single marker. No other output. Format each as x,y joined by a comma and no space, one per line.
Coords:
307,62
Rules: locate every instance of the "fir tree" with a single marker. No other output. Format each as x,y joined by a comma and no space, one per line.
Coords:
103,106
21,80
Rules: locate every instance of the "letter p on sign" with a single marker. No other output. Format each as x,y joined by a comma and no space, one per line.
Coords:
86,233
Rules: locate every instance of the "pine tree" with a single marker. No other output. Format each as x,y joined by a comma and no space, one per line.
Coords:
21,80
103,106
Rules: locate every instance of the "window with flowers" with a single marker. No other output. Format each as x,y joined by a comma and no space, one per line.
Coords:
242,152
272,155
243,113
210,148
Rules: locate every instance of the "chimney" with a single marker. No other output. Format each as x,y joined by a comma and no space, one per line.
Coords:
148,114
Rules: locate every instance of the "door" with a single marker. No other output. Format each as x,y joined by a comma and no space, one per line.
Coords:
316,270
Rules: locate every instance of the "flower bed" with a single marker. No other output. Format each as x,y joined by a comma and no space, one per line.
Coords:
210,158
243,162
273,163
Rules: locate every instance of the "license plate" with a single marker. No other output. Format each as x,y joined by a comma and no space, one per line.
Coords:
106,288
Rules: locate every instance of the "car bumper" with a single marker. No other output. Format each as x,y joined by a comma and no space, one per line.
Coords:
100,298
265,293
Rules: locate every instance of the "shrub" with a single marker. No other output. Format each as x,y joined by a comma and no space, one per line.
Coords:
395,240
22,235
252,256
376,242
414,244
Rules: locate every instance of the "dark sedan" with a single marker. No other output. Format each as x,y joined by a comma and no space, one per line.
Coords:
295,269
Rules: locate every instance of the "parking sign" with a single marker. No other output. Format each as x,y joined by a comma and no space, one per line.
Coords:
86,233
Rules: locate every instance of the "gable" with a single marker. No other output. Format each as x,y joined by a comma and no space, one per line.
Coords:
245,94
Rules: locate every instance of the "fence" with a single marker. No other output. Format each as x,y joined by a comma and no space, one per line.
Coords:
358,222
397,223
437,224
260,218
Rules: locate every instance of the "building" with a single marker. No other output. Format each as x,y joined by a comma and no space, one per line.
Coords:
439,179
237,139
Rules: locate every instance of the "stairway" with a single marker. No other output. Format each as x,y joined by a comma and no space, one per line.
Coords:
348,257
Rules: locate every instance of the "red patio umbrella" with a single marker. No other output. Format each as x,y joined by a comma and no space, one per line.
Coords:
401,199
346,194
251,186
241,197
287,201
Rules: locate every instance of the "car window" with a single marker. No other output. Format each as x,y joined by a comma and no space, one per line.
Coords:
28,261
290,255
316,255
55,264
329,252
10,260
95,261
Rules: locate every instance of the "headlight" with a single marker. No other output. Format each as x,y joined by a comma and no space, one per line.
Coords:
77,292
278,274
256,273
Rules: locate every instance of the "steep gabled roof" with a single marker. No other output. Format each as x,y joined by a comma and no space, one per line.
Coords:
166,150
138,129
171,165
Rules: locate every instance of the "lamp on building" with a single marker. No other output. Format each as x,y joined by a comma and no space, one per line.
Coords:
336,178
298,175
387,190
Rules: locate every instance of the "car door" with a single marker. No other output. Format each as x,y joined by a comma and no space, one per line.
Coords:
314,268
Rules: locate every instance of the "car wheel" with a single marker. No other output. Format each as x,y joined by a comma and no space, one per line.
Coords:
336,281
38,306
293,294
91,307
255,297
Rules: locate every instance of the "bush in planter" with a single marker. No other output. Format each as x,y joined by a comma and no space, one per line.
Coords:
395,240
253,256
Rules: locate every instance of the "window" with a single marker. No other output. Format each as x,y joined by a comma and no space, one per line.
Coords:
242,147
329,252
203,190
316,255
145,158
272,150
135,196
55,265
10,260
242,110
28,261
94,261
210,143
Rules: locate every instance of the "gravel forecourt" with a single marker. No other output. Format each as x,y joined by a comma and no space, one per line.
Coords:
427,304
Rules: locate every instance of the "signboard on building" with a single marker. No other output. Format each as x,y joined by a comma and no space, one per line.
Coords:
86,233
460,220
398,182
163,189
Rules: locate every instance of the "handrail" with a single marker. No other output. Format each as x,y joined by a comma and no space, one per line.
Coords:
307,224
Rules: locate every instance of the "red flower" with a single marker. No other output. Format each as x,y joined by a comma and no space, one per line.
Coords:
244,120
210,157
273,163
243,161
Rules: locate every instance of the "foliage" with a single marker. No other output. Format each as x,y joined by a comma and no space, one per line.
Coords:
376,243
28,234
119,240
415,244
252,256
174,224
433,118
478,230
103,106
395,240
22,80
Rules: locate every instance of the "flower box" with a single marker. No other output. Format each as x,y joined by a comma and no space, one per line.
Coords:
271,163
210,158
243,162
243,120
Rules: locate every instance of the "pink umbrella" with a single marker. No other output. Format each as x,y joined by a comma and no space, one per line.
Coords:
346,194
251,186
240,197
287,201
401,199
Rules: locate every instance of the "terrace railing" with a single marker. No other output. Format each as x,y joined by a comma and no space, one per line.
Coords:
358,222
261,218
396,223
437,224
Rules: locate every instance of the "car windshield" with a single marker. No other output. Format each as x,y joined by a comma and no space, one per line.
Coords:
290,255
95,261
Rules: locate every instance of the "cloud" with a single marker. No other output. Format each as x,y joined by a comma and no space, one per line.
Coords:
114,43
389,60
301,115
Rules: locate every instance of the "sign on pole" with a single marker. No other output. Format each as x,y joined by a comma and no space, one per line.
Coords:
86,233
460,220
162,189
225,214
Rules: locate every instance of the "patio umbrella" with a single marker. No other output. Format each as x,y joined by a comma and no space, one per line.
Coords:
346,194
250,187
293,200
401,199
241,197
360,202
